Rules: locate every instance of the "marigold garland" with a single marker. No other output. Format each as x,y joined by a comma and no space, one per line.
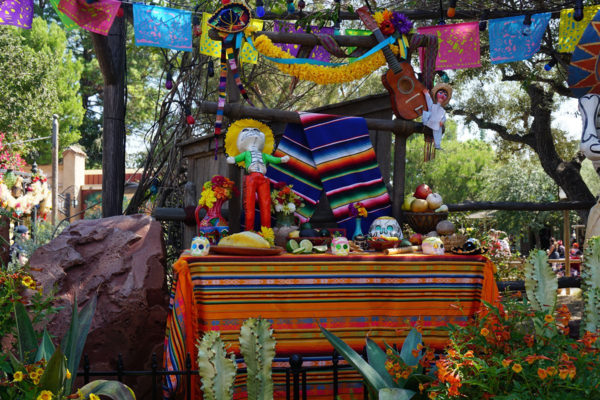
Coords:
319,74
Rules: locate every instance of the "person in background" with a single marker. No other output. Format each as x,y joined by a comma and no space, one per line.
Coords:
499,246
561,249
576,253
17,252
553,253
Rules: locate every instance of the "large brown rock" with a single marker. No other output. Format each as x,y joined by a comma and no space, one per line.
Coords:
123,260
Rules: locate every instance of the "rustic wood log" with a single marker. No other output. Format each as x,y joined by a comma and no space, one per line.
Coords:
235,111
399,177
415,15
563,283
110,52
517,206
308,39
190,199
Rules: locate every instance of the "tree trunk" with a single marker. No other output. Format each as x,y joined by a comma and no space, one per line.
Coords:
566,174
111,54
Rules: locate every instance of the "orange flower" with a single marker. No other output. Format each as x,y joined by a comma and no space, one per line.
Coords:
397,367
415,353
517,368
548,318
542,373
484,332
506,363
551,371
405,374
563,373
469,354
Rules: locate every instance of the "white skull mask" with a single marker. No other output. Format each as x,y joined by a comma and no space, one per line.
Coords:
433,245
200,246
589,106
340,247
251,139
385,226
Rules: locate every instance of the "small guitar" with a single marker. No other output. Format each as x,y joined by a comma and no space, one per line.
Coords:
406,92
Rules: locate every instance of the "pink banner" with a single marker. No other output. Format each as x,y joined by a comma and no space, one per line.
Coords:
458,45
97,17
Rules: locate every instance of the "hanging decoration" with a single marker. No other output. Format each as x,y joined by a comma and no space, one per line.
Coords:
212,48
356,32
97,17
583,78
68,23
507,42
37,193
317,72
459,45
17,13
570,31
435,118
317,53
162,27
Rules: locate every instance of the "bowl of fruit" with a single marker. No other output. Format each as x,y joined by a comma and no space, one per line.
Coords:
316,237
424,210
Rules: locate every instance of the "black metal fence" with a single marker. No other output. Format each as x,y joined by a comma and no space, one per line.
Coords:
295,375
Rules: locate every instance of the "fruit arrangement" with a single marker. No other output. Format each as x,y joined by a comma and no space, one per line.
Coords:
304,247
316,237
424,200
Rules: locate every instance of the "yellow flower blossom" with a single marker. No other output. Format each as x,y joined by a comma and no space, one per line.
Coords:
94,397
28,281
68,374
40,371
320,74
484,332
549,318
18,376
34,375
506,363
378,17
517,368
45,395
268,234
389,352
208,198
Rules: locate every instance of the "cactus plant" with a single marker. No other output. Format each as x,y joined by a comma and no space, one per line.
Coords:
217,367
258,348
541,282
590,285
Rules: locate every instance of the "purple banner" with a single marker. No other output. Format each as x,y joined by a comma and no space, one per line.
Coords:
16,12
317,53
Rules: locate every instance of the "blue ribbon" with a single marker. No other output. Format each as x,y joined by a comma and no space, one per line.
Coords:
386,42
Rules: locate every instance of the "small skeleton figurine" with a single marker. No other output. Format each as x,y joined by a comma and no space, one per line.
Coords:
251,152
436,116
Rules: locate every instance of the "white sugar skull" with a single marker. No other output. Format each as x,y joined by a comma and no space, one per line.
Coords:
385,226
433,245
340,247
200,246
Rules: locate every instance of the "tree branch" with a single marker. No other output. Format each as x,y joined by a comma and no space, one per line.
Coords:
527,139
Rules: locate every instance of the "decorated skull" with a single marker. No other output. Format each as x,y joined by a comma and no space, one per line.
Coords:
200,246
385,226
340,247
433,245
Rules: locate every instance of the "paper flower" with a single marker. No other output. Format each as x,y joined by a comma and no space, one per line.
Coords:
402,24
387,27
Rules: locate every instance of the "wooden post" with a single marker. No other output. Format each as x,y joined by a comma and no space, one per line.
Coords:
55,130
399,177
189,199
567,240
235,173
111,53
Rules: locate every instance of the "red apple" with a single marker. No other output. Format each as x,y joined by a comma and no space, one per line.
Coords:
422,191
416,239
418,206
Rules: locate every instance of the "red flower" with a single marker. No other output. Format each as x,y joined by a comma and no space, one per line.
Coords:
279,185
387,28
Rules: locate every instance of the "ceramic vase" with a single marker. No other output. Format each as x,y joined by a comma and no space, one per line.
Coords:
213,226
358,229
284,224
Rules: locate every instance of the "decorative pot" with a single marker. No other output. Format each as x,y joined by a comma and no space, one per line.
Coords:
358,229
284,224
213,226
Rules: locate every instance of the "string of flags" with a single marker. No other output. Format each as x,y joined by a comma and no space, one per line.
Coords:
511,39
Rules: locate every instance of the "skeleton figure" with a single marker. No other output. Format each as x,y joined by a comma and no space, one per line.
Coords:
433,245
340,247
385,226
200,246
589,106
250,143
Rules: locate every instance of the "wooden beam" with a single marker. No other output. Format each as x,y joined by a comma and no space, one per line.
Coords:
563,282
309,39
517,206
416,15
236,111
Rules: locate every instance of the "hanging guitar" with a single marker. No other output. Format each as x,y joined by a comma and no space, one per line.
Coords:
406,92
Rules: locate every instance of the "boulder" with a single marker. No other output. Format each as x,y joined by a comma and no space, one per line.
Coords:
122,259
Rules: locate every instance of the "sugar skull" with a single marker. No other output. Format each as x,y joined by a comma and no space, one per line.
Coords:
340,247
385,226
433,245
200,246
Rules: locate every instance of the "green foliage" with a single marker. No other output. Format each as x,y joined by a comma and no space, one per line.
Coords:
590,275
257,345
217,367
38,78
541,282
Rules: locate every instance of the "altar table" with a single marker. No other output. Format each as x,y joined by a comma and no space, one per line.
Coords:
354,296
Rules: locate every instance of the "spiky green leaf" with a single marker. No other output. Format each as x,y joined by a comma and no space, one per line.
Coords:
85,316
377,359
55,373
27,342
46,348
249,348
395,394
413,339
114,390
541,283
267,344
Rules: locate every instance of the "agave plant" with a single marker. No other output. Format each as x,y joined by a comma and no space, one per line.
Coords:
541,283
380,383
45,371
590,274
217,368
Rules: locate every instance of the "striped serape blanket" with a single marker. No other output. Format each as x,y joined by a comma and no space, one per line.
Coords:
335,154
354,297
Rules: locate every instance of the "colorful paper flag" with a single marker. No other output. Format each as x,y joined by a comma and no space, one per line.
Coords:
318,53
570,31
67,22
356,32
16,12
212,48
168,28
458,45
507,42
97,17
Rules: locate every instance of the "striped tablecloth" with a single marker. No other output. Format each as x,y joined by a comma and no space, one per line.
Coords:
352,296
